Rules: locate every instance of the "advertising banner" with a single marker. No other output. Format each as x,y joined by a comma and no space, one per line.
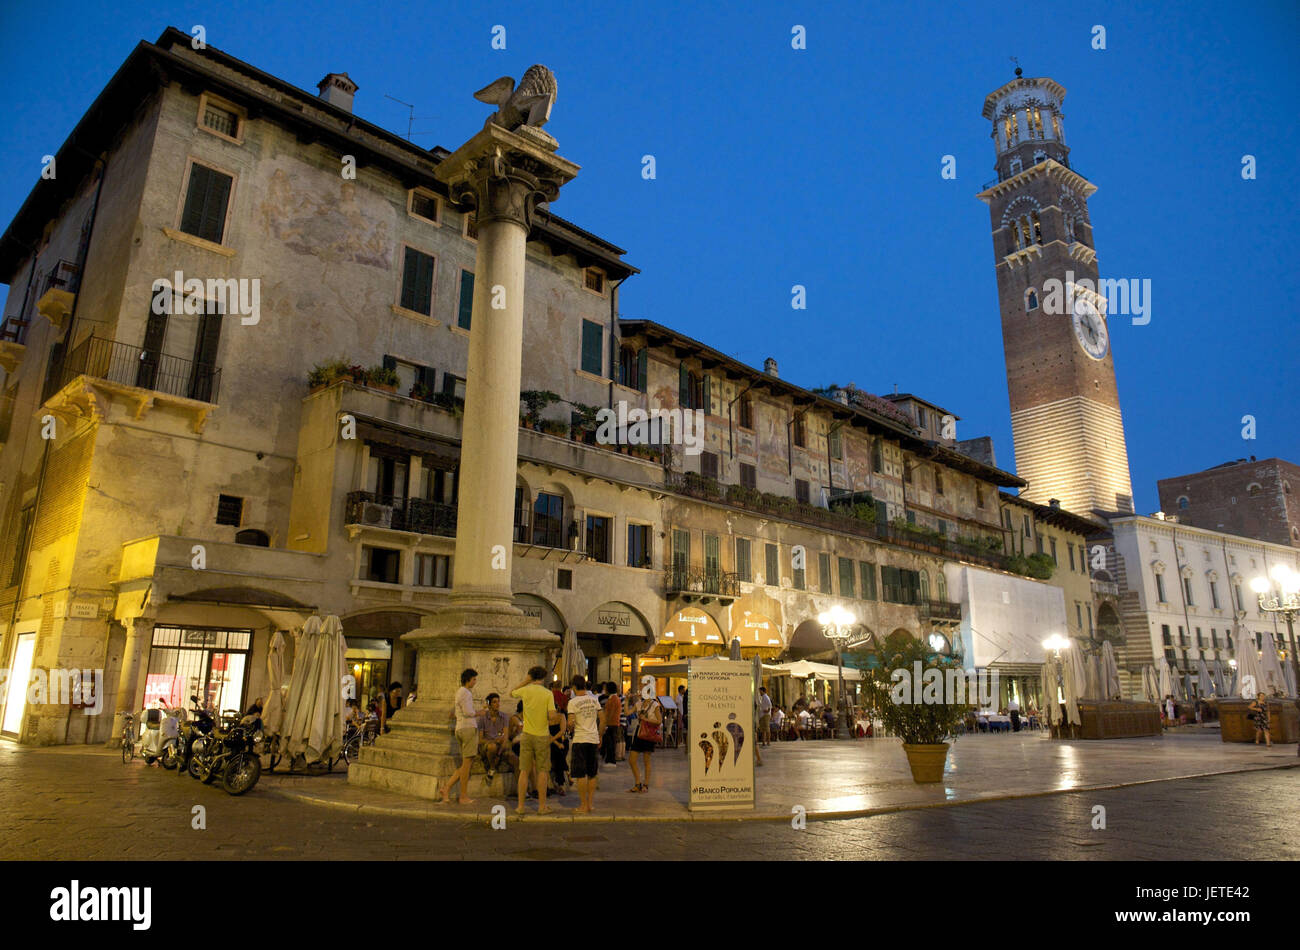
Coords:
720,705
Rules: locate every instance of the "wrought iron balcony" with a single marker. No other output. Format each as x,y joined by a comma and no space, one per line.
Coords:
400,514
701,585
135,366
942,610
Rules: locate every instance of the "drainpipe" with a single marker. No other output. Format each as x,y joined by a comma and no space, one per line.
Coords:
613,338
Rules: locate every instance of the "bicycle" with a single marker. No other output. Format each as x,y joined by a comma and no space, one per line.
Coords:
128,738
355,739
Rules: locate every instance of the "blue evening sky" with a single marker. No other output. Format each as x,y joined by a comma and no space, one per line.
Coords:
821,167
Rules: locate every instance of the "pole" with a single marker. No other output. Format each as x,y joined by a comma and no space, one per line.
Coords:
844,731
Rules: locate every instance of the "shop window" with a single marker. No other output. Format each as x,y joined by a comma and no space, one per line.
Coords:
230,510
432,570
194,661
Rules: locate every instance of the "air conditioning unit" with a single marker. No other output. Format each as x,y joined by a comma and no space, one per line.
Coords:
379,516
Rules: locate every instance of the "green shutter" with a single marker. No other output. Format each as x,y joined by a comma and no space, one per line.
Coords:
592,338
707,405
417,282
466,299
205,203
642,382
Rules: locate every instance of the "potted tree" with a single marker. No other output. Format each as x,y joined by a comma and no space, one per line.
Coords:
915,693
584,422
323,374
381,377
535,402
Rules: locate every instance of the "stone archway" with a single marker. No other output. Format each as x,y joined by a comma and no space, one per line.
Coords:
1109,626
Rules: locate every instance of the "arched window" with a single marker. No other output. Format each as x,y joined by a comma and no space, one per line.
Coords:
1015,165
1031,299
632,367
1038,229
254,537
940,586
1183,502
1253,489
925,586
1039,156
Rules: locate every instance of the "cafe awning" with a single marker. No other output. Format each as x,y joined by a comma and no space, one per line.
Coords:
691,625
804,669
754,629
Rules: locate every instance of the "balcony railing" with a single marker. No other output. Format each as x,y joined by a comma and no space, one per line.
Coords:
135,366
695,582
400,514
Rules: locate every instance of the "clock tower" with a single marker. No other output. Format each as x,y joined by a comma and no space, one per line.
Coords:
1065,416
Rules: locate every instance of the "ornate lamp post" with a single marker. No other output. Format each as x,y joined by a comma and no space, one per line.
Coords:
838,625
1281,596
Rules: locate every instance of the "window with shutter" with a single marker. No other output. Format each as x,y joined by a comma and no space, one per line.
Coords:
743,567
642,365
709,465
846,578
824,573
772,566
867,570
466,299
593,335
155,332
203,368
748,476
208,194
801,491
417,282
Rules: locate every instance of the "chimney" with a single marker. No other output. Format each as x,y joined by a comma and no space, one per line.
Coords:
1054,503
337,89
769,367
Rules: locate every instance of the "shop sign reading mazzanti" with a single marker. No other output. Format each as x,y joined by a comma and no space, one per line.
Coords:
720,739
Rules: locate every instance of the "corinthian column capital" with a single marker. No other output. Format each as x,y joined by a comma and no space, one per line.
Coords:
504,175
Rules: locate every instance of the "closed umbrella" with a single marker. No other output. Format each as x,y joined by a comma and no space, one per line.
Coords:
1272,666
1166,681
1051,705
1250,675
1188,694
1289,672
1203,674
313,712
1075,661
1220,684
733,651
1071,677
1110,671
572,661
1152,682
273,708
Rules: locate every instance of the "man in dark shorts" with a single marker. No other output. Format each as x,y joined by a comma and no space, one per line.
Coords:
584,718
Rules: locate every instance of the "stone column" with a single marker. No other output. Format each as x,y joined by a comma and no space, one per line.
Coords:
503,175
139,634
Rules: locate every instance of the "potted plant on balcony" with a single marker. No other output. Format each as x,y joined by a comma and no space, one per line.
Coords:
584,423
323,374
554,427
925,713
381,377
535,402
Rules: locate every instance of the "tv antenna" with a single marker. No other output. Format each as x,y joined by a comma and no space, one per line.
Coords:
410,117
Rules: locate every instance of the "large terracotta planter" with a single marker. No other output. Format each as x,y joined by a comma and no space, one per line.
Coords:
927,761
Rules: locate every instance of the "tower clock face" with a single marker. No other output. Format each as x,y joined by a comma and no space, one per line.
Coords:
1090,329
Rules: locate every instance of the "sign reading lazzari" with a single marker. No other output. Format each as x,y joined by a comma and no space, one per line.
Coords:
720,704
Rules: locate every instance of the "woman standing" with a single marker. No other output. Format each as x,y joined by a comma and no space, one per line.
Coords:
649,717
1259,712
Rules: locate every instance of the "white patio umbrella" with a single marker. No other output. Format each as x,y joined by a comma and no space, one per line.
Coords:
1206,683
1070,678
1188,694
1250,675
572,660
1274,679
1051,707
1165,683
1074,660
313,712
1110,671
1220,684
1289,672
1151,683
733,651
273,708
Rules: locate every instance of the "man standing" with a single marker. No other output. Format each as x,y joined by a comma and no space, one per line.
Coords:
1013,710
493,736
466,736
535,741
613,719
764,716
584,713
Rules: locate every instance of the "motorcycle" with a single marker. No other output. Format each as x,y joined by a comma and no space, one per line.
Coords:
193,733
230,753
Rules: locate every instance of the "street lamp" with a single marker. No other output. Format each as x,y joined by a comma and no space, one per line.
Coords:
1056,643
838,626
1281,596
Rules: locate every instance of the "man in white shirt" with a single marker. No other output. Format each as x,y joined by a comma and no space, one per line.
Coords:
466,735
584,718
764,716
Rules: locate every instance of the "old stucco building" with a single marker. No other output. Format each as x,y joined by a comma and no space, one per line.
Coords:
176,487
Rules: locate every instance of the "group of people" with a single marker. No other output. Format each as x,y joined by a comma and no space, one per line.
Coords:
799,723
555,737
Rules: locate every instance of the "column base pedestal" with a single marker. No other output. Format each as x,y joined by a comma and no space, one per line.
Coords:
421,751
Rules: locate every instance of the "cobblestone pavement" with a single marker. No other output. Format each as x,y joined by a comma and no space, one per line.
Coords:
69,804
